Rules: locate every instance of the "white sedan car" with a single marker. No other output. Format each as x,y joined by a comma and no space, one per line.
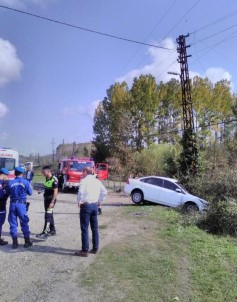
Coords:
164,191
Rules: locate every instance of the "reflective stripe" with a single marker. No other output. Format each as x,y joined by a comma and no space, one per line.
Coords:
49,210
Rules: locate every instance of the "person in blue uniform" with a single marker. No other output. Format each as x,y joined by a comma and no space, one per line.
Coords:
18,189
3,200
50,198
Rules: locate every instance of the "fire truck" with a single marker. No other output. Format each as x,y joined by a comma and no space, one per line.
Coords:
102,171
70,171
9,158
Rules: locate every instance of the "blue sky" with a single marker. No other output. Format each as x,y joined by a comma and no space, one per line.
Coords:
53,76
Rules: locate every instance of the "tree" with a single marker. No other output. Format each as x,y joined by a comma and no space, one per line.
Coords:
101,132
144,105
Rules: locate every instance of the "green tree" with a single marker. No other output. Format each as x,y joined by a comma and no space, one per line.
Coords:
144,105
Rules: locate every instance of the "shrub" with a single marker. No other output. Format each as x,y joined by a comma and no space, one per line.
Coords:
221,218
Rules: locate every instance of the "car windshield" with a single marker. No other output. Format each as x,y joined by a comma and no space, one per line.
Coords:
79,166
101,168
182,187
8,163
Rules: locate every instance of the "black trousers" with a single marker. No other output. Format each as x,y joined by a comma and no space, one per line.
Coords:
49,224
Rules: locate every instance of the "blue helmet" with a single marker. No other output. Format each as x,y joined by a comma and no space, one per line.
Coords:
4,171
19,169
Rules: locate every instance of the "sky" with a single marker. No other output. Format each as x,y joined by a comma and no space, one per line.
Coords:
53,76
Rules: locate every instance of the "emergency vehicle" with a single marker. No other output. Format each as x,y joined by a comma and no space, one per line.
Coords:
102,171
70,171
9,158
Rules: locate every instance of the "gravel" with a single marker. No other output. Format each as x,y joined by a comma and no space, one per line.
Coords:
49,271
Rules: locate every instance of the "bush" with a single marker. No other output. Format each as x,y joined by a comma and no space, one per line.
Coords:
221,218
153,160
216,185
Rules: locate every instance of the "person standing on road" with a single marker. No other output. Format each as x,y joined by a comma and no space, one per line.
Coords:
18,189
50,198
91,193
3,200
29,174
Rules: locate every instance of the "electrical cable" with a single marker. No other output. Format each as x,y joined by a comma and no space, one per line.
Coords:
81,28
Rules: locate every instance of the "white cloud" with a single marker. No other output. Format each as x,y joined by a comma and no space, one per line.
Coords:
10,64
164,61
216,74
81,110
3,110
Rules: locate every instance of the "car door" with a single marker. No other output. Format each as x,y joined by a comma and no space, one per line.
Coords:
151,188
169,196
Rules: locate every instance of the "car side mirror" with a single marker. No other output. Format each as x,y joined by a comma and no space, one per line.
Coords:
178,190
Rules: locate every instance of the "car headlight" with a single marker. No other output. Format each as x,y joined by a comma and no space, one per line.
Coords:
204,202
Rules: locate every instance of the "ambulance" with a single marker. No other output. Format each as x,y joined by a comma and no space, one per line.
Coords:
9,158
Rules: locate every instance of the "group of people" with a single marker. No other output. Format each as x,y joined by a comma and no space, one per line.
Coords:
90,195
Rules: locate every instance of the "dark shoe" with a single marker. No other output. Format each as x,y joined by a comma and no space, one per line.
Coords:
3,242
28,243
14,243
93,251
81,254
52,233
42,235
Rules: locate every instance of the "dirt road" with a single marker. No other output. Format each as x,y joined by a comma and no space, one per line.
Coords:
49,271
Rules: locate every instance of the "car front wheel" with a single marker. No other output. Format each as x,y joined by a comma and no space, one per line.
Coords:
191,208
137,196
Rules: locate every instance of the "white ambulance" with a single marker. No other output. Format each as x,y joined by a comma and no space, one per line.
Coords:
9,158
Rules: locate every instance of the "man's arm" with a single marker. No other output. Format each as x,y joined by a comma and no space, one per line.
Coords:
81,192
55,193
103,193
28,189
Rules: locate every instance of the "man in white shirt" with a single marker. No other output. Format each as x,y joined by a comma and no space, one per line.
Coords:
91,193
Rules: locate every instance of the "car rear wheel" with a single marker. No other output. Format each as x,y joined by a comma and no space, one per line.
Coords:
137,196
190,208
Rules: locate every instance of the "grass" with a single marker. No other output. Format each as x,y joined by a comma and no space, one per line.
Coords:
159,259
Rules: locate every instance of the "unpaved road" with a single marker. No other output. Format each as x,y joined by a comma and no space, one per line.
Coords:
49,271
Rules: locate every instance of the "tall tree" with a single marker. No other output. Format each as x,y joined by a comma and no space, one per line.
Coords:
144,104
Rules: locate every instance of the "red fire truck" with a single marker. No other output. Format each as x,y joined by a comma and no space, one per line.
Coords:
102,171
70,171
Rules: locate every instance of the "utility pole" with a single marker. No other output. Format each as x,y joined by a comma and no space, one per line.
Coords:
73,148
53,143
189,142
185,83
63,148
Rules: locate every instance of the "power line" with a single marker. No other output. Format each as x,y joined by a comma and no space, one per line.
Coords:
215,34
81,28
215,22
148,36
182,18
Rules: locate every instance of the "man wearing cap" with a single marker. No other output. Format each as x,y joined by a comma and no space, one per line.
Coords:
18,189
3,200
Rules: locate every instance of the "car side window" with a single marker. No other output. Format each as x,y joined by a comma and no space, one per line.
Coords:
169,185
153,181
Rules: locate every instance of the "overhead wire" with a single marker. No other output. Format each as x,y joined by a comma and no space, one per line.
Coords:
82,28
215,22
149,35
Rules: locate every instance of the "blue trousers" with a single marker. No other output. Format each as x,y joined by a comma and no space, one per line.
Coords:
2,220
89,216
18,211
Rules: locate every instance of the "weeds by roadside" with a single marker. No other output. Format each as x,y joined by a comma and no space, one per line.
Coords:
163,260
